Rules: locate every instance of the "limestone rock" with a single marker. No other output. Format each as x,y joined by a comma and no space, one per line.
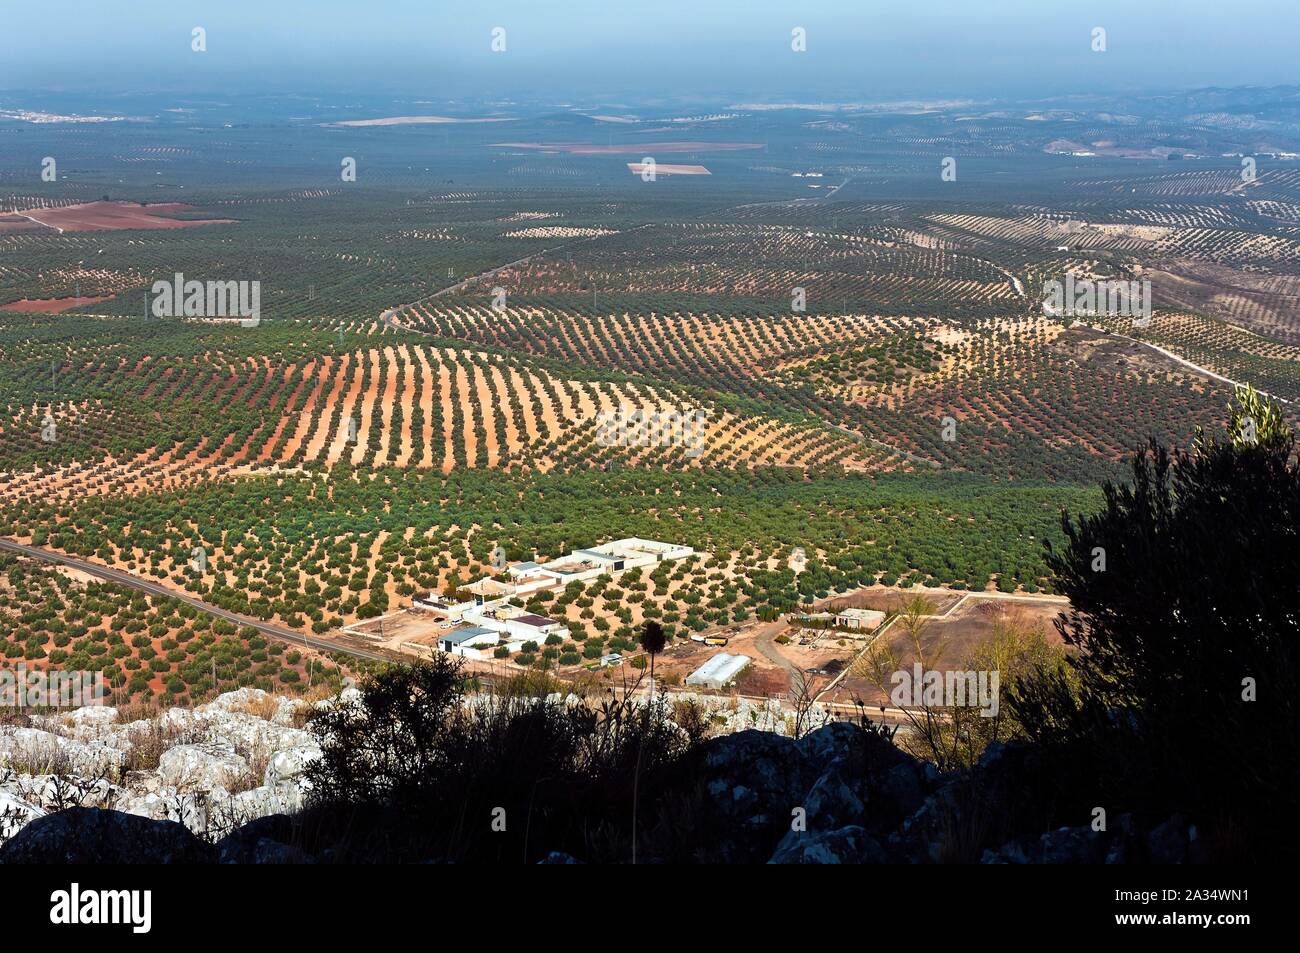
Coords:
201,767
15,814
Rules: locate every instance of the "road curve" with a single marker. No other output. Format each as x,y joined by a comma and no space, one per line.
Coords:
1213,375
153,588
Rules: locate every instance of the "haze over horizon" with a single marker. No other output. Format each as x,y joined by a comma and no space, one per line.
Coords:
862,52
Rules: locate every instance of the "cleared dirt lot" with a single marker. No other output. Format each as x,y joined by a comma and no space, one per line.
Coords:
394,631
661,168
110,216
949,642
52,305
889,599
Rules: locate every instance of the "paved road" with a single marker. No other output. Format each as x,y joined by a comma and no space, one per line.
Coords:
153,588
1214,375
837,188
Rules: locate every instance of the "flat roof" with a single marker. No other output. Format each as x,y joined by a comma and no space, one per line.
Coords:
487,586
570,565
534,620
462,635
437,599
595,554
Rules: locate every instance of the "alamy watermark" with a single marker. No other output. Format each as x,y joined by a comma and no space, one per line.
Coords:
75,906
211,299
21,687
1085,297
637,427
950,689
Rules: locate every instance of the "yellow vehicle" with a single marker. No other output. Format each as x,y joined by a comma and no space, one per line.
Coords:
715,640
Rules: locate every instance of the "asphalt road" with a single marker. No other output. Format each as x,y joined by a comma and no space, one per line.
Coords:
135,582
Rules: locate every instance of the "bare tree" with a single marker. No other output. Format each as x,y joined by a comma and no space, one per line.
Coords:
929,731
954,736
804,689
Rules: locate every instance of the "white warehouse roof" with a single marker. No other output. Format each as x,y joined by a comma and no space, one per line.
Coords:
718,671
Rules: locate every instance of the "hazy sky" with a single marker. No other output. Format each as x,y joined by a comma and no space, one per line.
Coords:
862,49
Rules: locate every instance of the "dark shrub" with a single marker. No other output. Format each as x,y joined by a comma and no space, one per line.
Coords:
1195,604
411,772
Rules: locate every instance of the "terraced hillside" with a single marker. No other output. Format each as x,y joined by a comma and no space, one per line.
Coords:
116,413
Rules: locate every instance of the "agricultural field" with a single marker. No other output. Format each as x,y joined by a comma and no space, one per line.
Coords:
153,648
443,339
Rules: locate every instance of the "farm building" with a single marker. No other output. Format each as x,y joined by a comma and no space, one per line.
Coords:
441,606
719,671
613,557
634,551
488,591
859,618
815,617
524,578
581,565
516,623
465,641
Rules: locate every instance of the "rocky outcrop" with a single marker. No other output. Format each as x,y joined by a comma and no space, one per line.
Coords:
1172,841
45,752
267,840
751,779
219,765
780,798
87,835
202,767
840,794
845,845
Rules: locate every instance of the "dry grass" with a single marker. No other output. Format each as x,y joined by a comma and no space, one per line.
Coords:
264,708
42,759
150,741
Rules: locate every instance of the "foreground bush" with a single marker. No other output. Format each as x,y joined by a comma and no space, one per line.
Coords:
1187,618
411,771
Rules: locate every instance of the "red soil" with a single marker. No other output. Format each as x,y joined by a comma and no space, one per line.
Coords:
52,305
106,216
